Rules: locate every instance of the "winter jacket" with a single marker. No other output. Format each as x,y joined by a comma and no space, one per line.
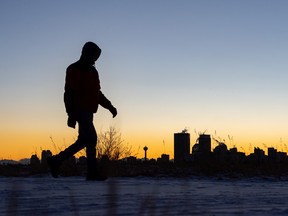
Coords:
82,89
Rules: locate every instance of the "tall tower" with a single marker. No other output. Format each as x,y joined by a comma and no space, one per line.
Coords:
205,144
145,152
181,147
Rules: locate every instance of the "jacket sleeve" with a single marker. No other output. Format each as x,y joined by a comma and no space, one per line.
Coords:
69,102
70,89
104,102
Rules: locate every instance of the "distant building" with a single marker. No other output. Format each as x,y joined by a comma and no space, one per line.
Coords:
235,155
164,159
272,153
221,152
221,149
44,155
202,149
275,156
34,160
131,159
259,154
204,144
233,150
181,147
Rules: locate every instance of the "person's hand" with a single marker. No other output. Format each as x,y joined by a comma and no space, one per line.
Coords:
71,122
113,110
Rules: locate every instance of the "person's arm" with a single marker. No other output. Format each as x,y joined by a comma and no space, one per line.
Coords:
104,102
69,96
69,101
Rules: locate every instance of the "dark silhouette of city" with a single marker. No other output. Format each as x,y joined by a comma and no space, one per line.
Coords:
198,160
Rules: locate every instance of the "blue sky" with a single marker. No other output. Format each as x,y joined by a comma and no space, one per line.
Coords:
166,65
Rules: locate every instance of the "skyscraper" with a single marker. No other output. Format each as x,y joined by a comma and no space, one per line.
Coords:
205,144
181,147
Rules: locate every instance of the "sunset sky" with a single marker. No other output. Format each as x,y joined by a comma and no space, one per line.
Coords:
218,67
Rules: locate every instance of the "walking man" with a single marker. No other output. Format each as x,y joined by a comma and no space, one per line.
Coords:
81,97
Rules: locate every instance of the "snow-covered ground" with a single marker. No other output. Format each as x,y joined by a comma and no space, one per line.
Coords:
142,196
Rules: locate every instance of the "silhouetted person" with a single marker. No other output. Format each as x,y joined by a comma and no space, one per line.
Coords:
81,97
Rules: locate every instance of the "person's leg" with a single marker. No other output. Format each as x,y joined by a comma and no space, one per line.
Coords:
93,171
87,136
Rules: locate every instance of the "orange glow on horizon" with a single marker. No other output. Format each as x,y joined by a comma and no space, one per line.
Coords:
19,145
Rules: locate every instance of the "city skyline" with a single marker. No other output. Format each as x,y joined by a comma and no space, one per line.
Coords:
184,151
214,66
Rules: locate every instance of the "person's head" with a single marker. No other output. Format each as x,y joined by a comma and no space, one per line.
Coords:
90,53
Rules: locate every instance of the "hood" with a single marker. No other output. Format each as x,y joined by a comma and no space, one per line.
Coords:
90,53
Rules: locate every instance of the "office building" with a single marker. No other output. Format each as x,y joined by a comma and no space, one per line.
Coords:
181,147
204,144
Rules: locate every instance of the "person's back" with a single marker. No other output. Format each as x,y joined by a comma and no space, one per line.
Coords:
83,83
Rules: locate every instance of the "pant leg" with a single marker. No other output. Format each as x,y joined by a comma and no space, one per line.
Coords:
87,138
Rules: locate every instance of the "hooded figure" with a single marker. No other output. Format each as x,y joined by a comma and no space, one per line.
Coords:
82,97
82,87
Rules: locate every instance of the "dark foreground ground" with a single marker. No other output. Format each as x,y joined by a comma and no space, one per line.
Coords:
209,168
143,196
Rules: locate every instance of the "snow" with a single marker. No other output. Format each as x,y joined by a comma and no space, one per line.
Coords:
142,196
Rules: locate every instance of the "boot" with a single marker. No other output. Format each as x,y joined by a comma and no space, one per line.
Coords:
94,173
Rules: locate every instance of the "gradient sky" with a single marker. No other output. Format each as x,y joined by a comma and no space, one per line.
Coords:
215,66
